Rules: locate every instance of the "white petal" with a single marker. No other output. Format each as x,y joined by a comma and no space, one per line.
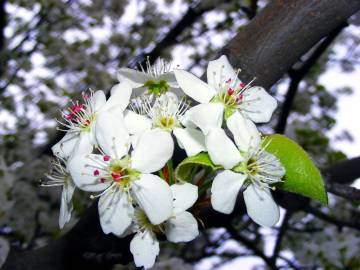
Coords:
136,123
246,135
207,116
98,100
68,190
120,96
154,148
221,149
65,146
194,87
181,228
258,105
82,167
185,120
133,77
85,143
169,102
115,212
169,77
260,206
154,196
135,139
220,71
192,140
144,247
225,189
65,211
185,195
112,135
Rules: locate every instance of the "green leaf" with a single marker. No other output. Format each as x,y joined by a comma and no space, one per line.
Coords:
185,170
302,176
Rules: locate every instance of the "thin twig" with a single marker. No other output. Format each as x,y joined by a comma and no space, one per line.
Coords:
296,75
344,191
250,245
337,222
283,228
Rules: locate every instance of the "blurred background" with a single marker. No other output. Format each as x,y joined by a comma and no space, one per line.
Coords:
51,50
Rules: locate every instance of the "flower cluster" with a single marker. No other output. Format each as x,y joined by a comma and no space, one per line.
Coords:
121,149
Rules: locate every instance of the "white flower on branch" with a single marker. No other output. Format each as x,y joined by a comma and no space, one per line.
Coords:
247,166
180,227
165,112
152,80
125,179
80,119
60,176
225,89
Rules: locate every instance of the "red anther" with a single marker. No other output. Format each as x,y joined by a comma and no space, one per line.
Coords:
230,91
116,176
76,108
87,122
85,96
102,180
106,158
69,116
239,98
96,172
242,85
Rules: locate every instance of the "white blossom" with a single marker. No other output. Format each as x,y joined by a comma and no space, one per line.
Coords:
225,89
80,119
152,80
125,178
180,227
60,176
165,112
247,166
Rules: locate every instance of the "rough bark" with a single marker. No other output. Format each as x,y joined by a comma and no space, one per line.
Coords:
284,31
266,48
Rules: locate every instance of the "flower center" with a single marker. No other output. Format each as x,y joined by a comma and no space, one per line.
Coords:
252,167
59,175
262,169
157,88
121,173
165,111
143,222
167,123
117,171
79,116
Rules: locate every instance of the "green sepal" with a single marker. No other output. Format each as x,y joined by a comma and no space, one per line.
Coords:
185,170
157,88
302,176
228,112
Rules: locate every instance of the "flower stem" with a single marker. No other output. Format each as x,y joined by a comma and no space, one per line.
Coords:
170,169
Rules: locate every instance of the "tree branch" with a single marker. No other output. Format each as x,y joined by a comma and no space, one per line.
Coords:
297,75
337,222
283,228
281,33
251,245
344,191
191,16
343,172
